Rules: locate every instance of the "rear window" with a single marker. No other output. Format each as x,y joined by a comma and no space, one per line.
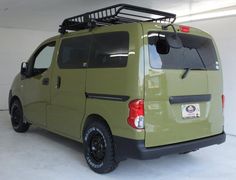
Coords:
110,50
196,52
74,52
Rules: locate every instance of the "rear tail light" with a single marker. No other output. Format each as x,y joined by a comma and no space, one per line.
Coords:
223,101
136,114
184,29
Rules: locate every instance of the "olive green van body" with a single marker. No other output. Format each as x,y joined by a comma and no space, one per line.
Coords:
66,110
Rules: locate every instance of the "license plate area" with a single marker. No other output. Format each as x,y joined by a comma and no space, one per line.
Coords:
190,111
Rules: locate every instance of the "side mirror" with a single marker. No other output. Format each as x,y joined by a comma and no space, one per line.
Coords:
162,46
24,68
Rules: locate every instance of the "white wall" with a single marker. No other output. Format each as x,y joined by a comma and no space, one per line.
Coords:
224,32
16,45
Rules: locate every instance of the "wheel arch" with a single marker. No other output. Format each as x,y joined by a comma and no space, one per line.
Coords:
95,118
11,100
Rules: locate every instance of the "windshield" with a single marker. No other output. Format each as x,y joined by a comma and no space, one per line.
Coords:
195,52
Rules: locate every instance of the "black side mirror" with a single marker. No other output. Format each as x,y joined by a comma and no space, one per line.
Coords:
24,68
162,46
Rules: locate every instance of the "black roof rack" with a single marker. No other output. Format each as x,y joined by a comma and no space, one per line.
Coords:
117,14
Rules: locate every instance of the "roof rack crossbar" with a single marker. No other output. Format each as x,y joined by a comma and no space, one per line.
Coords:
126,20
139,16
116,14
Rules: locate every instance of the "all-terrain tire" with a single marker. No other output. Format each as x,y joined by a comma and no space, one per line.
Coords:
17,118
99,148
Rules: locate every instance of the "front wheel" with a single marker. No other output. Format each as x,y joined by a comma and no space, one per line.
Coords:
99,148
17,119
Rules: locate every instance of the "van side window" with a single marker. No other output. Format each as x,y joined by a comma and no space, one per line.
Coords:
110,50
43,58
74,52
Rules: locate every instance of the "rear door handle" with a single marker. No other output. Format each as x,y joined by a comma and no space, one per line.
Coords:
45,81
58,82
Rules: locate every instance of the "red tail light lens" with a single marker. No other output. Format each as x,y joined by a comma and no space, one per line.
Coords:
223,101
184,29
136,114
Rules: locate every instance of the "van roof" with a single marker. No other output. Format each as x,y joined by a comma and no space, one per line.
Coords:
155,26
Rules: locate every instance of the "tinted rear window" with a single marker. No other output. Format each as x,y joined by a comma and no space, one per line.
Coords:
74,52
110,50
197,52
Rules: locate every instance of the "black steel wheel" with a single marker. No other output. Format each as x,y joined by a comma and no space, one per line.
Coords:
17,120
99,148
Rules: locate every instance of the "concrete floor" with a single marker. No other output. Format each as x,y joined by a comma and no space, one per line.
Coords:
41,155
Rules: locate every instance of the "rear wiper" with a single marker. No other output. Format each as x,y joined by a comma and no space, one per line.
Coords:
201,59
187,71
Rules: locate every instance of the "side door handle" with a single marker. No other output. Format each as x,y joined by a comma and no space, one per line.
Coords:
45,81
58,82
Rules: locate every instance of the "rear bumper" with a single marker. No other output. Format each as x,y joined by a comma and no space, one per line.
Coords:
136,149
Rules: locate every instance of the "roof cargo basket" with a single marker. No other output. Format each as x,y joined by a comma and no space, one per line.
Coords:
117,14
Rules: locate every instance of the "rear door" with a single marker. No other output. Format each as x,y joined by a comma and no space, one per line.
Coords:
183,89
67,107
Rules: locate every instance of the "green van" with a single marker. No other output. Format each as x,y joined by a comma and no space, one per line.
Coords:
127,83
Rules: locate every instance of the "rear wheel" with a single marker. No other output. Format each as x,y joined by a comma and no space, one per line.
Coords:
17,120
99,148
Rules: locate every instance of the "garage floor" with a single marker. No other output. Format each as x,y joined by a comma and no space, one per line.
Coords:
41,155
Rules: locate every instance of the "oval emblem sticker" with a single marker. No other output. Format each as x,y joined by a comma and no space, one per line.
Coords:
190,108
